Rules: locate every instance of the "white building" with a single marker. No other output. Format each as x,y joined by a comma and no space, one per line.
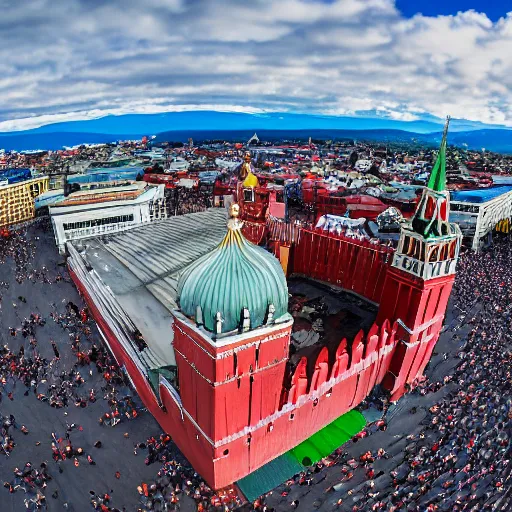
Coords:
178,164
103,208
477,212
363,165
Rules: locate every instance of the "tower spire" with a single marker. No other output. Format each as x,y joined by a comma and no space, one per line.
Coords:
429,245
432,212
437,180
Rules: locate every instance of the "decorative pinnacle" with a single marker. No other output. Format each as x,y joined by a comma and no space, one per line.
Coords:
234,210
437,180
446,124
234,222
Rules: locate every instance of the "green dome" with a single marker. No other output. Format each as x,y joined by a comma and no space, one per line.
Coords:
237,275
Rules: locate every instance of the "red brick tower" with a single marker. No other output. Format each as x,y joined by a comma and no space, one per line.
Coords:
231,340
420,280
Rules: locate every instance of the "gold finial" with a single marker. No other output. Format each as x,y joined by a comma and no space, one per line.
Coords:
234,211
234,223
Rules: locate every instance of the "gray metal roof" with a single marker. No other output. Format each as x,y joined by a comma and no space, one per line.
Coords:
142,268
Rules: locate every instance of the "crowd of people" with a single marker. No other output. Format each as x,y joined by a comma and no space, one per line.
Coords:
461,459
46,374
175,479
29,367
458,460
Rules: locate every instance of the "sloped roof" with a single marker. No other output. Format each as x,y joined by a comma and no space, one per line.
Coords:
142,267
479,195
437,180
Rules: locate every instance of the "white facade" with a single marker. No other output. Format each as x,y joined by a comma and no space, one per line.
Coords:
178,164
73,222
476,220
363,165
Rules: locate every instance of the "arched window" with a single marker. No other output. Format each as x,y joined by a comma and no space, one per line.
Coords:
434,254
444,252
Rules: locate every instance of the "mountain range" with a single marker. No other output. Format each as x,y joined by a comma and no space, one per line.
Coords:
201,125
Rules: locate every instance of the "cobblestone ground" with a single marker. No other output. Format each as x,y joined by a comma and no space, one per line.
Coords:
41,294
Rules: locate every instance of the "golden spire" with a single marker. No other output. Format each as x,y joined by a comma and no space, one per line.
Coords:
250,180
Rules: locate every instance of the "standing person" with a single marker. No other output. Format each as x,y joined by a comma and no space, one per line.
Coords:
55,350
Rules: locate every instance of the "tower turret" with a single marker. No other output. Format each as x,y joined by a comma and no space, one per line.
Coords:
235,286
231,341
419,282
431,218
429,246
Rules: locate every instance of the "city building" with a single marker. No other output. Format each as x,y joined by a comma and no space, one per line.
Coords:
479,212
103,208
17,200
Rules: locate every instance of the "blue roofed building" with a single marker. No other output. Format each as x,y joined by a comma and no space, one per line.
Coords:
479,212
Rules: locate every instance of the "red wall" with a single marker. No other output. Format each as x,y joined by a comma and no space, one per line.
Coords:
229,388
421,306
351,264
260,428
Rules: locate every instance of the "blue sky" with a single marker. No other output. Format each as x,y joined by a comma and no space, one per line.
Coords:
63,60
494,9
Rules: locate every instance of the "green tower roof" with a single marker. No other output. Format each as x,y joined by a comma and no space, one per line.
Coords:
237,275
437,180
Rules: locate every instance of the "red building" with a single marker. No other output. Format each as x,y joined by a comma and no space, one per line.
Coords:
228,391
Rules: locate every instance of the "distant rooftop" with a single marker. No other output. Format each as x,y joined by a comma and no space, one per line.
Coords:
105,192
479,195
107,174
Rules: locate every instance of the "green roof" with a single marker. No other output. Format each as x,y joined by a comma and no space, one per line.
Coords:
237,275
325,441
307,453
437,180
269,476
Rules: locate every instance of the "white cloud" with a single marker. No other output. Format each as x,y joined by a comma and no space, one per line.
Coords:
79,59
29,123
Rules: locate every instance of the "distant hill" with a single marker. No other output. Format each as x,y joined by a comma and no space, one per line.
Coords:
152,124
278,135
55,141
492,140
499,141
201,125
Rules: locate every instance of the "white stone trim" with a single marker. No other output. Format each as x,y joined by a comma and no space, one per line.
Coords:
235,338
174,394
421,327
303,399
234,377
287,408
171,390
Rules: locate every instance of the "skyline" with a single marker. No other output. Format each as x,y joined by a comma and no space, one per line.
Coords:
76,60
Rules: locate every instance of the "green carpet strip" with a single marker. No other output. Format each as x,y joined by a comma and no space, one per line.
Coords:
307,453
